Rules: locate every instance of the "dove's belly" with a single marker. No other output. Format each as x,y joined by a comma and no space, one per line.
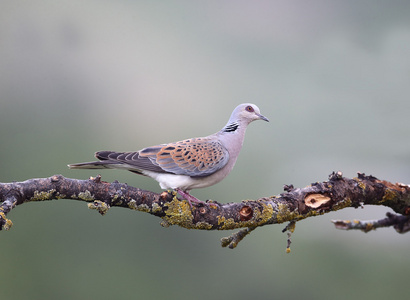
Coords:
184,182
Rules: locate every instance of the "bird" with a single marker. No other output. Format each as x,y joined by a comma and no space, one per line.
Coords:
188,164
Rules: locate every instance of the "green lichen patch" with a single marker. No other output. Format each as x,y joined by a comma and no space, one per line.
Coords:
178,212
132,204
261,216
347,202
360,183
203,226
118,199
100,206
389,196
86,196
164,224
143,208
42,196
284,214
156,208
7,222
225,224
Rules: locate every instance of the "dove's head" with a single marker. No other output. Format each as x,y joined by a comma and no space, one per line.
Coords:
246,113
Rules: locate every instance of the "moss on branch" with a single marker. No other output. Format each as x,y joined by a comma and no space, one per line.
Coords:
293,205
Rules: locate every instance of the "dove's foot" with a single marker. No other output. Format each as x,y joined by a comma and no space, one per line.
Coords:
189,197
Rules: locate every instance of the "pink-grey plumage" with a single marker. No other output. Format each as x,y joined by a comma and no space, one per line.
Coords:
188,164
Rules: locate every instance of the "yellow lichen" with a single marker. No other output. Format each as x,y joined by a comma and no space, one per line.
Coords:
260,217
178,212
101,206
213,206
156,208
221,220
164,224
143,208
227,223
132,204
369,226
41,196
360,183
389,195
347,202
8,223
86,196
284,214
312,213
203,225
117,199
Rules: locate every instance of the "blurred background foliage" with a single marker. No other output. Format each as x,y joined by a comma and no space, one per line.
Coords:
81,76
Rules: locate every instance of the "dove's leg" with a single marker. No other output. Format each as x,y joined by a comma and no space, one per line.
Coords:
188,197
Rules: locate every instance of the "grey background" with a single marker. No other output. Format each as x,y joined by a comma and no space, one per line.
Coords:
81,76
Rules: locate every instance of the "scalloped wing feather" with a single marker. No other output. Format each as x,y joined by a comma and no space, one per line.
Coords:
131,161
195,157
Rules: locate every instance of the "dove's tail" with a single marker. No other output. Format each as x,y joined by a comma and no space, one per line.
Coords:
94,165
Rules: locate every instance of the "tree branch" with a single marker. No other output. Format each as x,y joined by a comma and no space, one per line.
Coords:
400,223
291,206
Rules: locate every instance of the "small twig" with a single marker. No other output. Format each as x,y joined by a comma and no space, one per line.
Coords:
399,222
10,201
233,240
290,228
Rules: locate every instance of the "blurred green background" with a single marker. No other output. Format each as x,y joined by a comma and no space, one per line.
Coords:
81,76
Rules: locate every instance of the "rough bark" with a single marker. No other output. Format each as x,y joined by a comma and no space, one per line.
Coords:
293,205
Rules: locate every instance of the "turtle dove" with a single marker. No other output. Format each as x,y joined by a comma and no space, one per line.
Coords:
188,164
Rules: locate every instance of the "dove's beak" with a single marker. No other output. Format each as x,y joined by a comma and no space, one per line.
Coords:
263,118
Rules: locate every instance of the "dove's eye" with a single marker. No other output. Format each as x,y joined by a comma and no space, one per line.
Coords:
249,108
